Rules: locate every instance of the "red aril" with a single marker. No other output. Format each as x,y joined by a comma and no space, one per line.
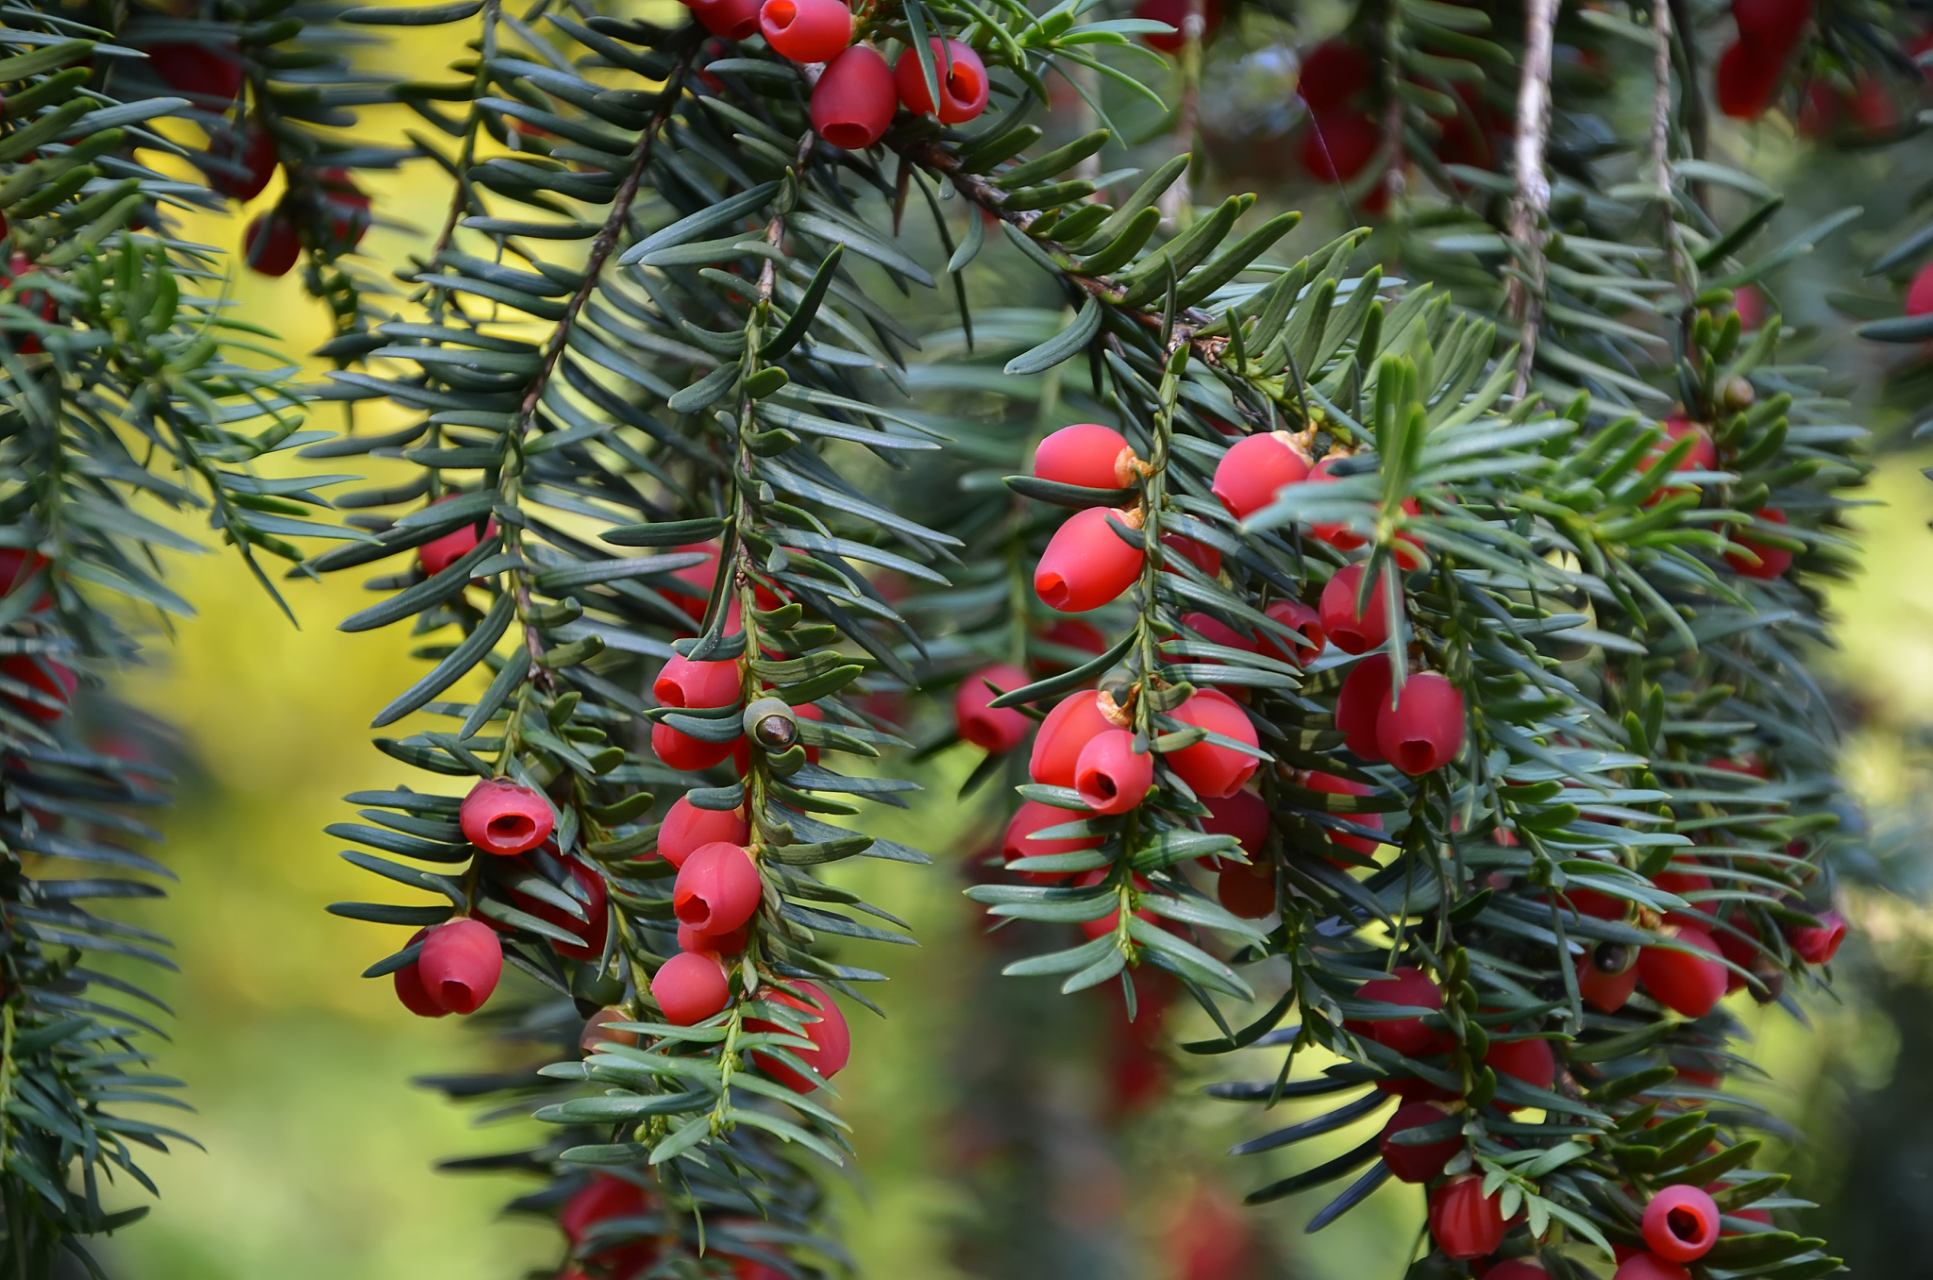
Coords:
1919,293
1109,776
1607,977
410,989
1199,554
854,101
1769,562
1747,79
1464,1222
684,683
1681,1223
1686,982
1330,784
1360,703
1424,730
460,964
686,827
1417,1162
1246,891
961,75
1241,814
992,730
1350,626
1530,1061
1297,617
1175,13
1087,564
1255,469
55,681
1069,727
1646,1266
1818,944
731,19
1087,455
1339,145
271,244
247,161
717,890
1021,842
1404,1033
1773,26
685,753
690,987
806,30
825,1027
1332,73
1215,631
1211,769
504,817
592,930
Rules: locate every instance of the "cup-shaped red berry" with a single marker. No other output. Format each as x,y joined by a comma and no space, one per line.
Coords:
1021,842
1530,1061
690,987
1255,469
1607,977
1300,618
1686,982
1087,564
1464,1222
247,161
1747,80
410,989
1818,944
684,683
732,19
1241,814
1774,26
504,817
1332,73
686,827
1681,1223
55,681
1516,1269
460,964
1069,633
1068,728
1424,730
1199,554
830,1036
213,75
1649,1266
1360,705
1919,292
592,899
806,30
1330,784
1211,769
962,77
1088,455
854,101
271,244
1339,536
1339,144
694,591
1110,776
1421,1161
1247,891
603,1198
993,730
1350,625
717,890
1763,562
1215,631
681,751
1403,1032
720,944
438,554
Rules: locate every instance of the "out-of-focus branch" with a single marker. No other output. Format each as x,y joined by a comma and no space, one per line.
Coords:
1531,204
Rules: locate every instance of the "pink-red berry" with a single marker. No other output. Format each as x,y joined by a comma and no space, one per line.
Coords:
271,244
831,1038
1747,79
1330,784
962,78
1818,944
1360,704
992,730
1068,728
1687,983
731,19
717,890
55,681
690,987
410,990
1350,626
438,554
1211,769
1405,1033
1087,455
806,30
1021,842
504,817
1919,292
1607,977
1339,145
460,964
685,753
1332,73
1424,730
1464,1222
1764,562
1087,564
853,103
1255,469
1417,1162
1647,1266
1174,13
1246,891
686,827
591,930
1530,1061
1297,617
1241,814
1681,1223
1109,776
684,683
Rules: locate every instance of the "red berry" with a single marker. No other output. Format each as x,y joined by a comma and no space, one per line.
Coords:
1339,145
409,988
1703,455
1684,982
438,554
1112,920
1110,776
56,681
1464,1222
592,929
731,19
1404,1033
344,209
687,827
724,944
1645,1266
1020,841
1087,564
1360,704
690,987
1215,631
271,244
1255,469
717,889
854,100
1747,79
460,964
1210,769
1771,561
1772,25
1332,73
1070,633
1088,455
1199,554
1246,891
504,817
1607,989
683,752
831,1038
699,577
1174,13
806,30
993,731
1681,1223
213,75
1419,1163
1424,730
1339,536
1530,1061
1330,784
1919,294
684,683
1068,728
1349,628
1516,1269
604,1198
962,77
1818,944
1241,814
248,161
1297,617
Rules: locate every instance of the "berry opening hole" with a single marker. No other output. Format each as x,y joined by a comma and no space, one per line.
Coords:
694,911
1415,756
1101,785
849,137
512,826
1685,1224
964,86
